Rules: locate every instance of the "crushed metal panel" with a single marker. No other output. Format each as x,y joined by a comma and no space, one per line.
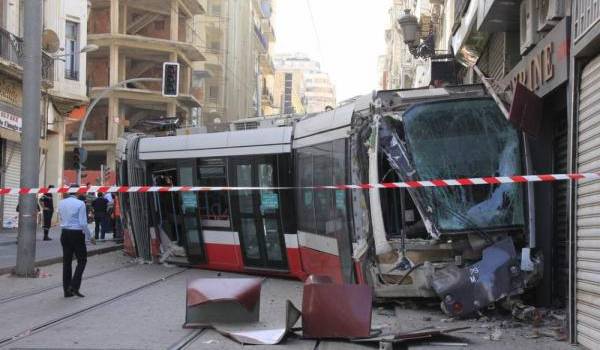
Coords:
222,300
526,111
265,336
408,336
496,276
399,159
336,310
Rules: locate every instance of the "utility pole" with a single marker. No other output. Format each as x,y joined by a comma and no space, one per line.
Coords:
30,137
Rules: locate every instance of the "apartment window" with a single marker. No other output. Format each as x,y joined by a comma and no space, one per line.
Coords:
215,10
215,45
213,92
72,50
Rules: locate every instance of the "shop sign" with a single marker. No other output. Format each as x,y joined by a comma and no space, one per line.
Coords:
10,92
546,66
10,121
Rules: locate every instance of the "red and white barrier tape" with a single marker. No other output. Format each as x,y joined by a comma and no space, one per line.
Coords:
491,180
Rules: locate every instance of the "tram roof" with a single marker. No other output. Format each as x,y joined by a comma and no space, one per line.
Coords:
220,144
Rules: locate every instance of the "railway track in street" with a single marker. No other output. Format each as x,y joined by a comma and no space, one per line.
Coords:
59,285
48,324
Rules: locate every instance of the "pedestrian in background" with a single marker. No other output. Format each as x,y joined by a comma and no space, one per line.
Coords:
74,225
100,209
47,204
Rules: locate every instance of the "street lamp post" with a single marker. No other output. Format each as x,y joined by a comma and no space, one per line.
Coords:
104,93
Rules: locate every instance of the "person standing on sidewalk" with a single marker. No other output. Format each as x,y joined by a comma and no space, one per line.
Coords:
47,204
100,208
74,225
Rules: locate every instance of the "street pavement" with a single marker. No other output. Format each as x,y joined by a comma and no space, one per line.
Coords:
129,305
46,252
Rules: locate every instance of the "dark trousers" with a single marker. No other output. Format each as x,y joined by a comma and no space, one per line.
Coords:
101,225
73,242
47,221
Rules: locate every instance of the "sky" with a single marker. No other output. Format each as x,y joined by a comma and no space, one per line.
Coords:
350,38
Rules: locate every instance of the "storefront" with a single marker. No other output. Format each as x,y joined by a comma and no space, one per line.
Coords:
544,70
584,196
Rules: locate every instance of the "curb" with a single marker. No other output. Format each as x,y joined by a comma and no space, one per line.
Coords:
8,242
55,260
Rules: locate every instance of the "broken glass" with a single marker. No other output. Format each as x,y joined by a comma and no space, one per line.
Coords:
466,138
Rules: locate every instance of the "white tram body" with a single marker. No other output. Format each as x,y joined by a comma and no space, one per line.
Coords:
465,245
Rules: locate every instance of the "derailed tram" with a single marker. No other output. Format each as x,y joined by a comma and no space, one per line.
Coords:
467,245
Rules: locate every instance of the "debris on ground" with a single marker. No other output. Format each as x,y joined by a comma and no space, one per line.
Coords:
495,335
386,341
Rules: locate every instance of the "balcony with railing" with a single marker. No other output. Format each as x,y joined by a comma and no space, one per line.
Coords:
267,97
11,54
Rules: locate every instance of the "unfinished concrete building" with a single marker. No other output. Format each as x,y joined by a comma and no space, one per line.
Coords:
135,38
238,70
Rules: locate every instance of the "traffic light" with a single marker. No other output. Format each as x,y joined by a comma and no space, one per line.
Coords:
79,157
170,80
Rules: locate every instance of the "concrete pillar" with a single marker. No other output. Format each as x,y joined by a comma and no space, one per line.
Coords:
114,16
187,80
111,158
114,65
122,71
174,20
113,115
123,17
171,109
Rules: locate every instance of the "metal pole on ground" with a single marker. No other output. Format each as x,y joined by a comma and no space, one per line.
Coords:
30,137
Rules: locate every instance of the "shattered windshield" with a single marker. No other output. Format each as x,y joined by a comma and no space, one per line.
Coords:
466,138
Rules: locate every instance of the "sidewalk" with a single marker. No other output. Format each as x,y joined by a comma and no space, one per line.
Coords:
47,252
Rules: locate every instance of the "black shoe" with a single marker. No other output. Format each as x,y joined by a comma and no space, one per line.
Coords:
68,294
47,239
75,293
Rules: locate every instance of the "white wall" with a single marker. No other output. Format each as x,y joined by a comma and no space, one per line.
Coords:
56,13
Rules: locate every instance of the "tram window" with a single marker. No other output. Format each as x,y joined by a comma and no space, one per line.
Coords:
323,198
214,205
305,197
322,211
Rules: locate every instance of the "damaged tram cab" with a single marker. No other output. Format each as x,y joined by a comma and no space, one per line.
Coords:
468,245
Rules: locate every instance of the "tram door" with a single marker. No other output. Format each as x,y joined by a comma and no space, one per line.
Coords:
257,213
192,232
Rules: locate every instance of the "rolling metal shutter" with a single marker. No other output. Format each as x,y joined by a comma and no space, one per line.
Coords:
11,179
587,215
560,258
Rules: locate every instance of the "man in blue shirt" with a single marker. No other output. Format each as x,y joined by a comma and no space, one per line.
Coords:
73,222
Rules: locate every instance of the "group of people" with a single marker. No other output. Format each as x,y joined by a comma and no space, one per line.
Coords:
101,208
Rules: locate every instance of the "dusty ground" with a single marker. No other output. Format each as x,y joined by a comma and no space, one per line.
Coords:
151,316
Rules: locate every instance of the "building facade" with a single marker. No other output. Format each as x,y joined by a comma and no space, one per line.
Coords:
397,67
135,38
238,71
64,24
301,86
584,156
552,48
319,92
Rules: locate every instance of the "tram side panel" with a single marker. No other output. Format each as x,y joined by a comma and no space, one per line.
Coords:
323,218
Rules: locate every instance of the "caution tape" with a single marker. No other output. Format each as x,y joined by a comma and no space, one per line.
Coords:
490,180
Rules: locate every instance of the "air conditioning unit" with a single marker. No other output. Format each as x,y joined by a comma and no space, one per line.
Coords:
528,25
549,12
